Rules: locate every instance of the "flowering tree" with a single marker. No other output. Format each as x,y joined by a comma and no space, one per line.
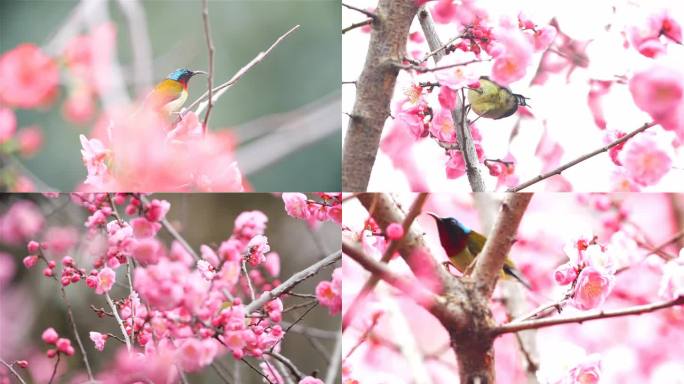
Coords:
140,303
592,261
596,77
139,138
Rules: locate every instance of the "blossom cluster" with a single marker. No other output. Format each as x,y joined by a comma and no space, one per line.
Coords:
179,309
590,271
329,208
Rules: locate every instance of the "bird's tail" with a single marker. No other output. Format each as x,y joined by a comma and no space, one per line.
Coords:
514,273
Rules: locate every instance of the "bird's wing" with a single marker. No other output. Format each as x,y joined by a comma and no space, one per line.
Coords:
165,92
476,242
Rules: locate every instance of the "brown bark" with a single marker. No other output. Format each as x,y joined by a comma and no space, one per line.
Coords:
374,90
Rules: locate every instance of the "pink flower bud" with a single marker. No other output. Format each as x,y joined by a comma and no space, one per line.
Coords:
22,363
63,344
30,261
50,336
565,274
33,246
68,261
51,353
47,272
395,231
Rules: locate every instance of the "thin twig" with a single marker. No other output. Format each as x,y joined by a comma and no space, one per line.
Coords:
357,25
439,50
542,323
361,10
256,370
13,371
289,364
210,47
421,69
295,279
580,159
225,86
118,320
220,373
70,316
249,280
54,370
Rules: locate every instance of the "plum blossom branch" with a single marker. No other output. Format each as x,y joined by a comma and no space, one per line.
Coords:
491,259
542,323
288,363
210,47
409,287
580,159
293,281
374,91
225,86
119,321
463,135
372,281
13,371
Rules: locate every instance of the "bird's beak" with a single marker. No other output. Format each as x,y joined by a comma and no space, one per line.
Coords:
434,215
199,73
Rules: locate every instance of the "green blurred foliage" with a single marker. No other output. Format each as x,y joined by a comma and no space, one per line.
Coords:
303,69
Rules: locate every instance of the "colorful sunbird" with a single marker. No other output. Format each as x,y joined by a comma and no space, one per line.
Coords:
171,93
462,245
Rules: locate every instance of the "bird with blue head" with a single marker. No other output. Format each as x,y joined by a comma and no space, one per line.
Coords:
169,95
462,245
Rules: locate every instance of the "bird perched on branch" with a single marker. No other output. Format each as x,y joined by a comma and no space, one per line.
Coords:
462,245
494,101
171,93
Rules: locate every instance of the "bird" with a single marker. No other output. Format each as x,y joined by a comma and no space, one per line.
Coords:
169,95
494,101
462,245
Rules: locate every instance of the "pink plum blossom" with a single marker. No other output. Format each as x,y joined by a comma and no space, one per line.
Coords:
592,288
28,77
647,157
99,340
310,380
296,205
8,124
257,248
105,280
442,127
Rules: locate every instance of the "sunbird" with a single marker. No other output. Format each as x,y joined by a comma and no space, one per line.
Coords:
171,93
494,101
462,245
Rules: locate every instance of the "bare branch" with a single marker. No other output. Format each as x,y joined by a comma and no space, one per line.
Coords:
210,47
295,279
580,159
542,323
13,371
118,320
365,12
491,259
357,25
410,287
221,89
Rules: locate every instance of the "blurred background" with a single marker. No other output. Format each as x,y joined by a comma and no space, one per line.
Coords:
285,112
29,302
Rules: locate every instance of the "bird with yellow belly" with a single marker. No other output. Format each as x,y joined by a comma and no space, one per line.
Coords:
170,94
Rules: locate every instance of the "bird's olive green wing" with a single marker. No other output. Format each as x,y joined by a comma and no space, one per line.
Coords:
475,242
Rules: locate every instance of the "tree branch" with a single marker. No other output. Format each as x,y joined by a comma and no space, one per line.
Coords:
580,159
357,25
414,211
463,135
210,76
295,279
374,91
381,207
542,323
490,261
221,89
411,288
365,12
